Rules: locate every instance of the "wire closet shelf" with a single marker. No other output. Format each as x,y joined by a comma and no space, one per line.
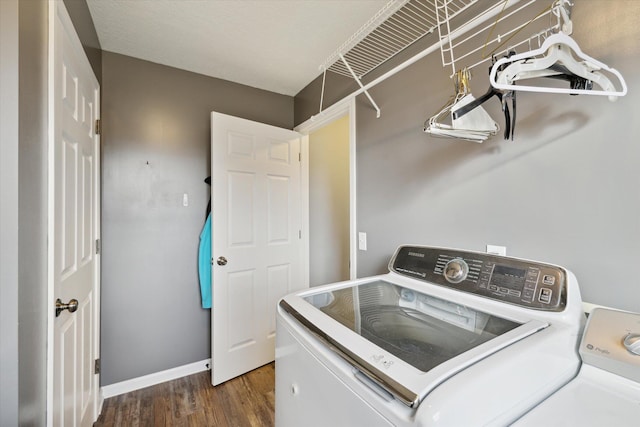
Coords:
398,25
401,23
470,33
461,48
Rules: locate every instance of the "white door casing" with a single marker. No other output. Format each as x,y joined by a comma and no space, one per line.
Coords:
257,228
73,199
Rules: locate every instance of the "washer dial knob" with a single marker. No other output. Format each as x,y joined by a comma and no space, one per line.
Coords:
456,270
632,343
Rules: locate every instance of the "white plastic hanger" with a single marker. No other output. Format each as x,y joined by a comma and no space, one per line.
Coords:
558,49
474,126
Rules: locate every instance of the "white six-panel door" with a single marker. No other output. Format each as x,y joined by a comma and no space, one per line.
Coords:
257,246
73,226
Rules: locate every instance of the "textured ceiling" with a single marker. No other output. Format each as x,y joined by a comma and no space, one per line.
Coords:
272,45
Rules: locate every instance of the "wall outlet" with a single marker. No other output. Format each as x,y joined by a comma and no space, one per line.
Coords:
185,200
497,250
362,241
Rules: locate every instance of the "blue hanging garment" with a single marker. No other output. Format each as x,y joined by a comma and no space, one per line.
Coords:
204,263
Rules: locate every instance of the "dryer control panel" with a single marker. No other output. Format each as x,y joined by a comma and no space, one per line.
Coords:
611,341
525,283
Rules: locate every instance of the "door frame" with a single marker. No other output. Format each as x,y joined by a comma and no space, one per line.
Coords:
58,9
313,124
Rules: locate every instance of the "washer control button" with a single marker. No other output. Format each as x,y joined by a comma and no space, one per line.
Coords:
545,295
456,270
548,279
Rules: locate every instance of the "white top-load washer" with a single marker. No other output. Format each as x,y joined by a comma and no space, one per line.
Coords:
606,391
446,338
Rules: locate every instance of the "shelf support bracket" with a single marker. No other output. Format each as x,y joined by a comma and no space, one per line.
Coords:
324,77
357,79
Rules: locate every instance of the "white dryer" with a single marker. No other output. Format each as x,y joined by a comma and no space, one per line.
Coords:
606,391
446,338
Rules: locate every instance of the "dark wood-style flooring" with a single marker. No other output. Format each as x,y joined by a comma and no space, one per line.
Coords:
248,400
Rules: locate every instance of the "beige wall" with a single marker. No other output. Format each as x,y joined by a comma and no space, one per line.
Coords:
329,203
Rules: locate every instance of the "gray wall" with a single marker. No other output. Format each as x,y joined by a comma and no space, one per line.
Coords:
83,23
565,191
307,101
23,178
156,146
33,210
24,256
9,212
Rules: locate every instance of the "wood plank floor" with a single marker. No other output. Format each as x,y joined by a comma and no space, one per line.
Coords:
248,400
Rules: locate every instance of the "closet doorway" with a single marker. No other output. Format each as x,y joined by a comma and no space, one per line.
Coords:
331,151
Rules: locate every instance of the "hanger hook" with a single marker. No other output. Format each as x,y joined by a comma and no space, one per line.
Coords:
561,9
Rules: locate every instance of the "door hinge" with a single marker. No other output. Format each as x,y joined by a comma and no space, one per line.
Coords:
97,246
300,157
96,367
299,234
98,126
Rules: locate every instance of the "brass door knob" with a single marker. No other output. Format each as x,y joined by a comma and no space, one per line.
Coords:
72,306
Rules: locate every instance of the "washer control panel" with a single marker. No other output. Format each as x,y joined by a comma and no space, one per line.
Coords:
525,283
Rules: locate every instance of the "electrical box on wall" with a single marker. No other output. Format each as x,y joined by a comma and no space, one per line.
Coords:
497,250
362,241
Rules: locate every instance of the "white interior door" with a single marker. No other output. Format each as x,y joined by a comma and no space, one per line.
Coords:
257,245
73,228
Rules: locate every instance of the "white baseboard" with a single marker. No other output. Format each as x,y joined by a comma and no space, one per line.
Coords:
155,378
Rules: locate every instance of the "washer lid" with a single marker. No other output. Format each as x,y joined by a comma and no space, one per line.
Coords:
406,341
